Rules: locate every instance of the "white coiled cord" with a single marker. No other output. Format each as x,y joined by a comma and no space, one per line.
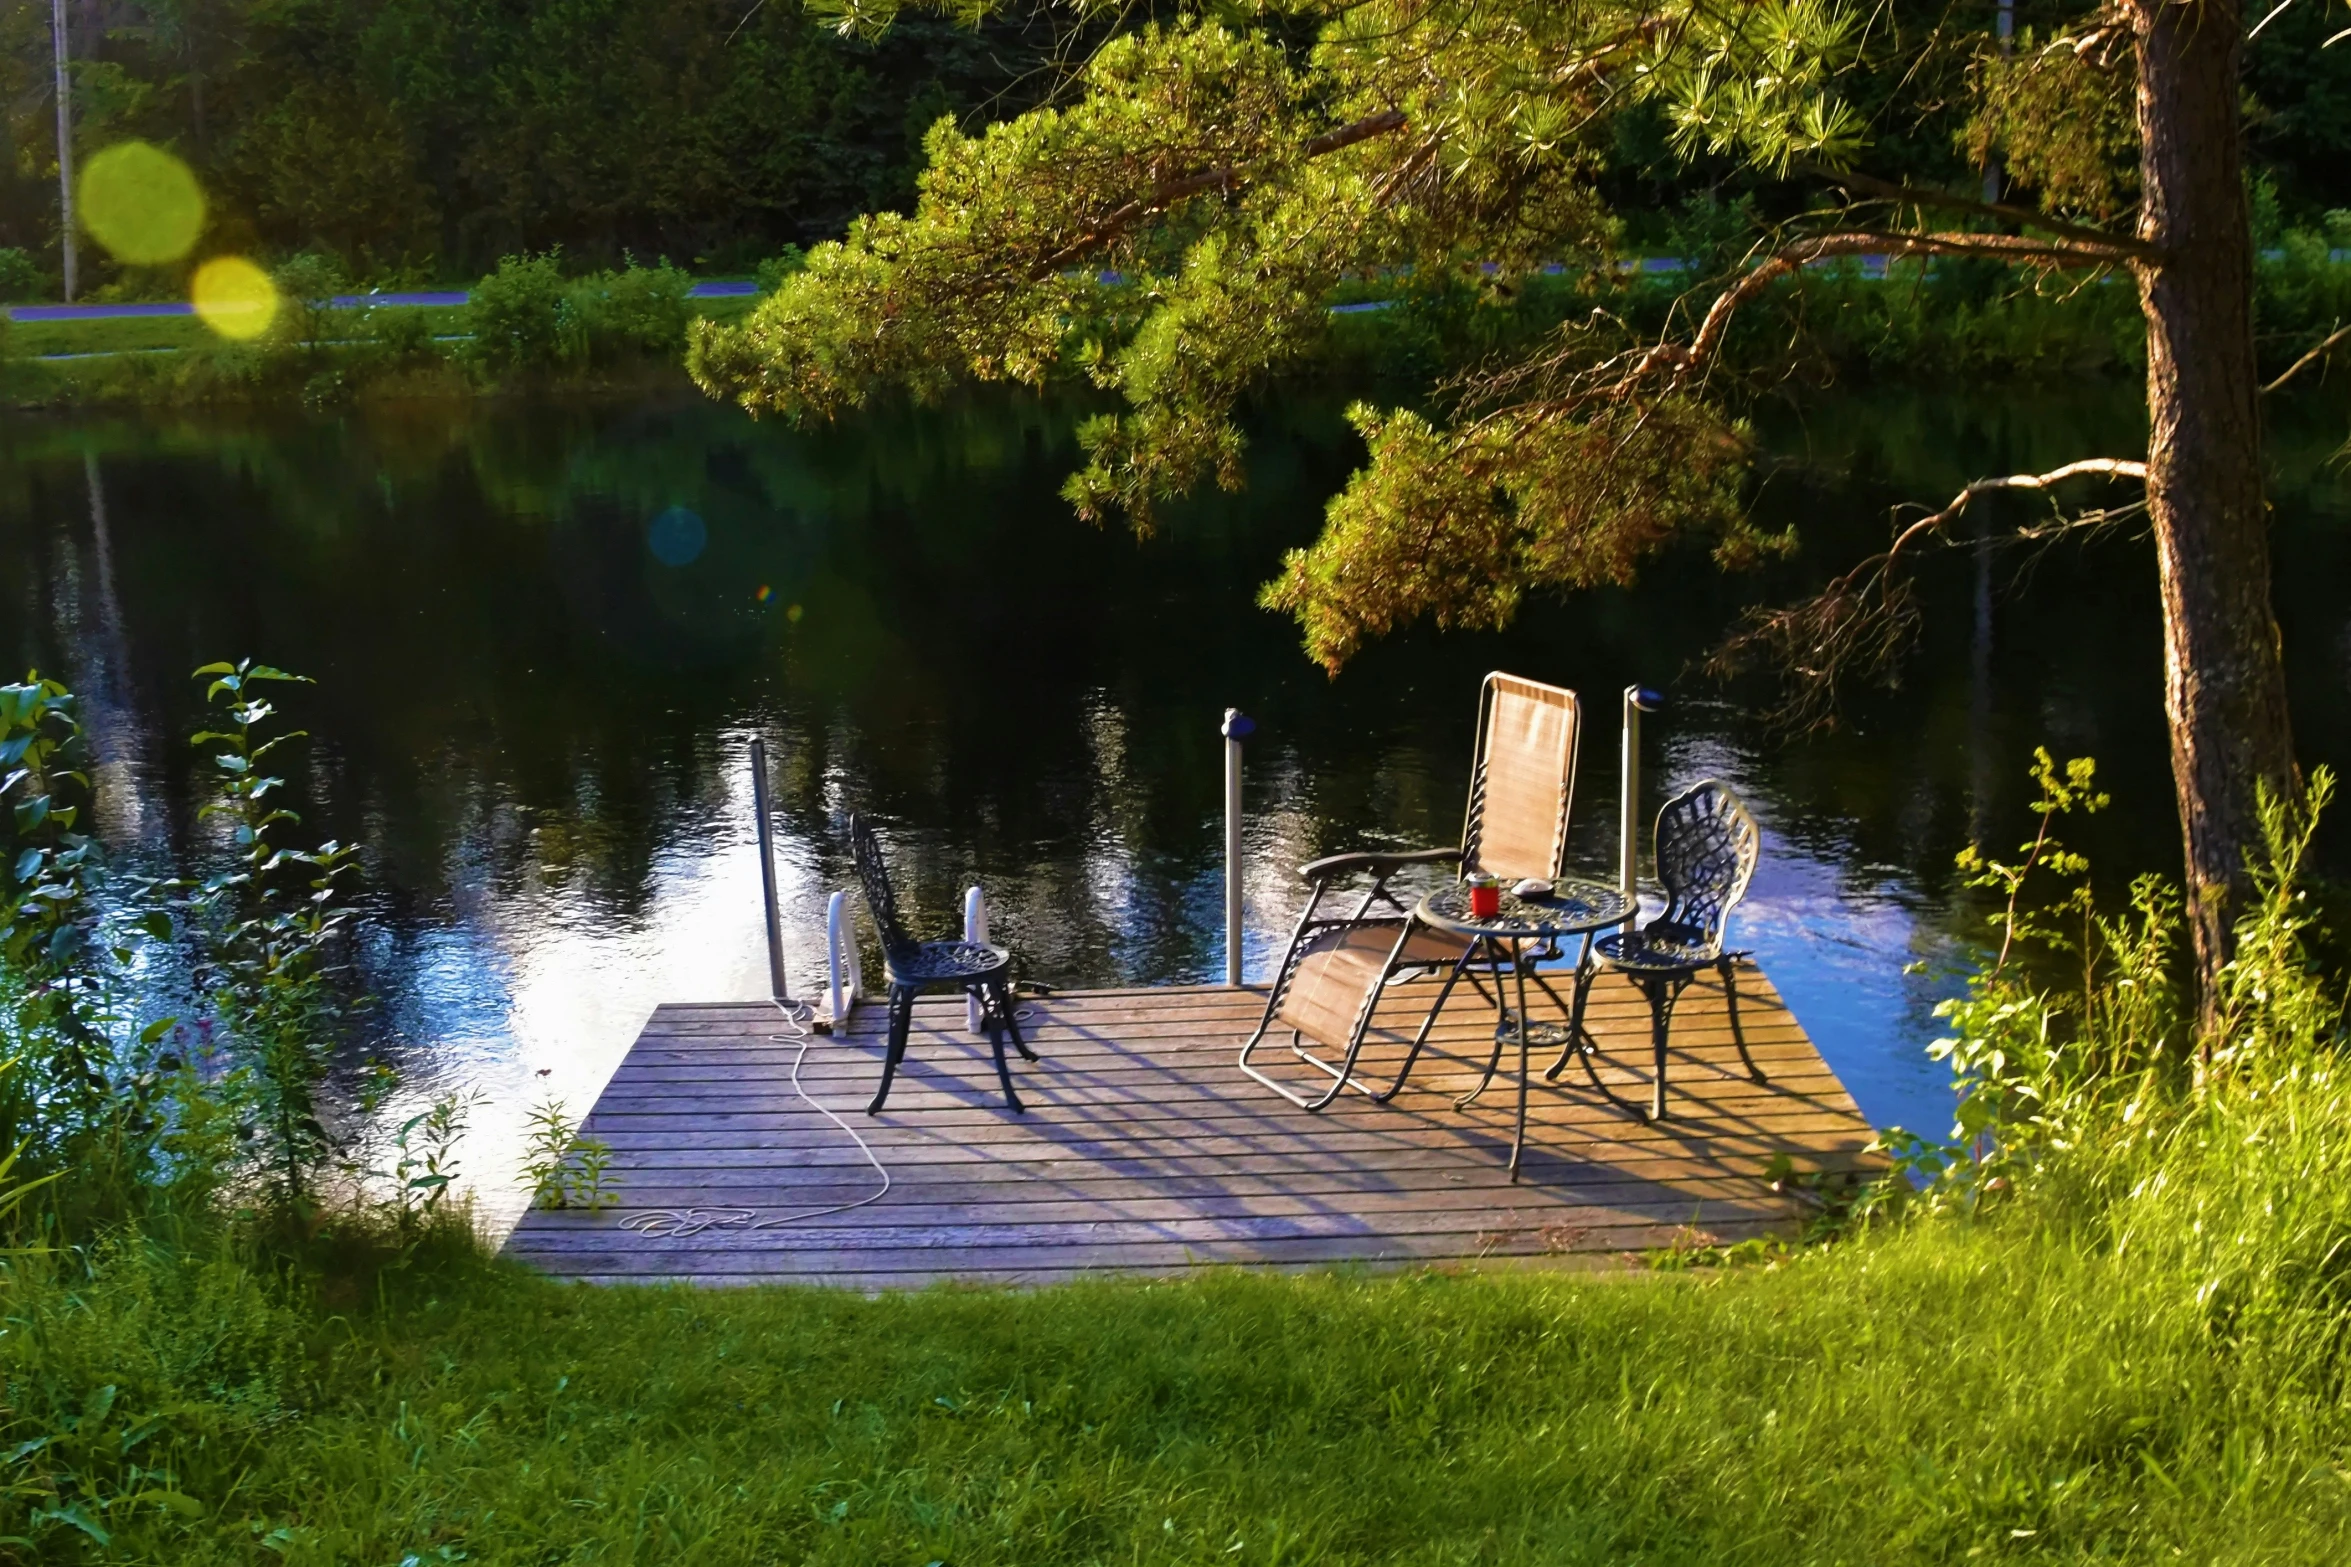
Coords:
670,1222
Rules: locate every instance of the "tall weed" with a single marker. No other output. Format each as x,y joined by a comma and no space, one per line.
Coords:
271,927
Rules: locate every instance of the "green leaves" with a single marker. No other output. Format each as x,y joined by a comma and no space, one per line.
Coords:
271,927
563,1168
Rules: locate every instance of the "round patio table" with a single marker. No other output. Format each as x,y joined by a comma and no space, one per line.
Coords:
1577,906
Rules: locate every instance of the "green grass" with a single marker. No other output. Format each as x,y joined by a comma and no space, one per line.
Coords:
31,339
114,336
1954,1391
200,367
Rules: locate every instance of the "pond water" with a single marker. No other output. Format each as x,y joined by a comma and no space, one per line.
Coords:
544,637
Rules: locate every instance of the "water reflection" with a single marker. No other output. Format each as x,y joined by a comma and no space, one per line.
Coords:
539,681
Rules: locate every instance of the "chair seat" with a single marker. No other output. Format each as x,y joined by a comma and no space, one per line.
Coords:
1659,948
1338,966
946,963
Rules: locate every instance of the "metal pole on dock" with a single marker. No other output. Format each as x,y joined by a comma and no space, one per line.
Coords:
1237,727
1638,699
975,928
776,984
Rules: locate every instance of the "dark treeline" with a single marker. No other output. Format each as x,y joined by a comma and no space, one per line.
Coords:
426,138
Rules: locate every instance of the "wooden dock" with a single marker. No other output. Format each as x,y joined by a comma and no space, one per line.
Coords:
1143,1150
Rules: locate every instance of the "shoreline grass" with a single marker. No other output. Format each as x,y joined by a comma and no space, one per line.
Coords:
164,361
1948,1391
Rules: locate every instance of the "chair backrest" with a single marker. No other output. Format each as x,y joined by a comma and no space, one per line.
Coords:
1707,846
874,876
1523,778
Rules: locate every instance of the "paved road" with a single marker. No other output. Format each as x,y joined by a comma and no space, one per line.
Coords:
342,302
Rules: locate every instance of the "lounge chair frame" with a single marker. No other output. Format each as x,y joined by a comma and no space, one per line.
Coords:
1415,948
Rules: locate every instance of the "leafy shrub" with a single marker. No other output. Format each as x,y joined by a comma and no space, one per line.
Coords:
396,335
54,1099
271,930
772,272
607,317
307,285
2064,1086
563,1168
517,314
526,318
21,277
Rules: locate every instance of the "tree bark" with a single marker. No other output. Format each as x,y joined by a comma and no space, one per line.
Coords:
2224,680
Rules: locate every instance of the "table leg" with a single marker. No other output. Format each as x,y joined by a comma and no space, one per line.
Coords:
1578,1036
1518,1139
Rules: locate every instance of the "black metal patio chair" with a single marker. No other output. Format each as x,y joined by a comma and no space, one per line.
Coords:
912,967
1707,846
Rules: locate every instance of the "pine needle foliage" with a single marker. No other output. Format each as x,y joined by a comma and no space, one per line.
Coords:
1174,226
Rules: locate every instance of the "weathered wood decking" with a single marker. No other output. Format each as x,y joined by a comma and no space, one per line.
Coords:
1144,1150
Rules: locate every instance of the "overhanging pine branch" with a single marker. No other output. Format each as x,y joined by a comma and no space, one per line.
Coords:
1222,178
2099,245
2326,346
2105,467
1685,360
1861,623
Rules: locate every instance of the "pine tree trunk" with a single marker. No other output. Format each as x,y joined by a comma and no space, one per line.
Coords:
2224,685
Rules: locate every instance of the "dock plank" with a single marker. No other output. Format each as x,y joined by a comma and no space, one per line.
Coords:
1143,1150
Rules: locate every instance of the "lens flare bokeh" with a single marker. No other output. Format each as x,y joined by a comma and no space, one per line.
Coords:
141,203
677,536
234,297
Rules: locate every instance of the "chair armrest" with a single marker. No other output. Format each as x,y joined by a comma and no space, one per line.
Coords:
1379,862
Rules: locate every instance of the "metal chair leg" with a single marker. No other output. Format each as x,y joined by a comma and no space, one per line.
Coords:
1343,1075
1728,966
1004,1000
1420,1038
901,1024
1662,995
999,1018
1273,1001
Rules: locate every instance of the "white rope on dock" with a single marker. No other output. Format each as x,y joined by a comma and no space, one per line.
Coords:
670,1222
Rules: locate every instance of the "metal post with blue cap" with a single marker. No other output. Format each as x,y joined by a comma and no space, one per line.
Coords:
1238,726
1638,699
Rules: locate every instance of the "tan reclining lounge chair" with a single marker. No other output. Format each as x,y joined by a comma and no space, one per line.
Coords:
1521,784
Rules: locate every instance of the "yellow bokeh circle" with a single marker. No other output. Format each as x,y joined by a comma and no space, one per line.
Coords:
235,297
141,203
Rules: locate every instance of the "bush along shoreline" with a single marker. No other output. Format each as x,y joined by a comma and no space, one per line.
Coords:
532,325
528,326
2104,1317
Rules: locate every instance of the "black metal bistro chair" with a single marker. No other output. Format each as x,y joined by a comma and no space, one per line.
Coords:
1707,845
912,967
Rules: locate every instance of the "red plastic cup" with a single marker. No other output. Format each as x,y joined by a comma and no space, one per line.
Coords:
1485,899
